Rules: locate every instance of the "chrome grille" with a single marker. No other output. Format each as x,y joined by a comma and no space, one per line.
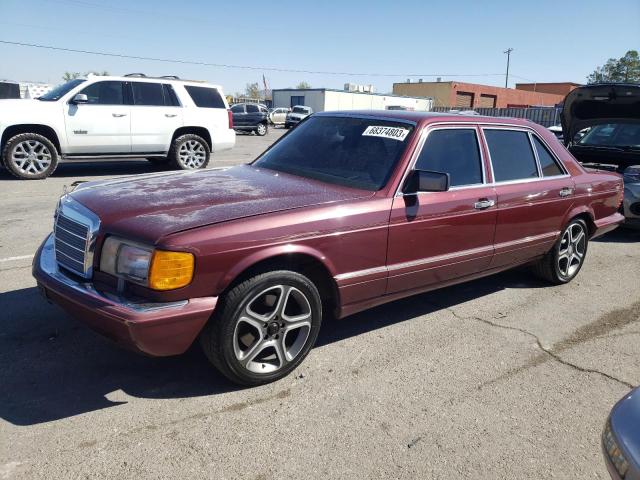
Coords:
71,243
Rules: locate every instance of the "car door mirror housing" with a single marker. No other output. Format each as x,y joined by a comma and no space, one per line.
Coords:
80,98
426,181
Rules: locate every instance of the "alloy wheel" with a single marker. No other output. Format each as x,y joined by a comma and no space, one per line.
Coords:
192,154
272,329
31,157
572,249
262,129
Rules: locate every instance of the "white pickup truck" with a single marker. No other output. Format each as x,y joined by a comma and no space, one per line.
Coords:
162,119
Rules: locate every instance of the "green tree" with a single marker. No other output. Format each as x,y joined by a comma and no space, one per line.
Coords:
70,76
624,70
252,90
303,84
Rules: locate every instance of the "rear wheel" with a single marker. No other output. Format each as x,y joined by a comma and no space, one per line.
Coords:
30,156
261,129
563,262
189,152
264,327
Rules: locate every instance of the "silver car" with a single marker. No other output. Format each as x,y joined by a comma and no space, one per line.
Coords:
278,116
298,113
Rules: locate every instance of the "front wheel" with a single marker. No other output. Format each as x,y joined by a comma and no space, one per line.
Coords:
264,327
563,262
30,156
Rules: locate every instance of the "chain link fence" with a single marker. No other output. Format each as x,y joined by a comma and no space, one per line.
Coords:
545,116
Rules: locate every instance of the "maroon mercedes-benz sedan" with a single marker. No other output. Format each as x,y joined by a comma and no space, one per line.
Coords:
347,211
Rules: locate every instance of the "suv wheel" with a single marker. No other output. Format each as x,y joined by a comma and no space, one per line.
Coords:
189,152
264,327
30,156
565,259
261,129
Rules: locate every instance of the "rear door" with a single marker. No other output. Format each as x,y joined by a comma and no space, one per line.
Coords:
155,115
103,124
239,115
439,236
254,115
534,194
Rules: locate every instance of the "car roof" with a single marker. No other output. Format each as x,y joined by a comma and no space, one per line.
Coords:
195,83
428,117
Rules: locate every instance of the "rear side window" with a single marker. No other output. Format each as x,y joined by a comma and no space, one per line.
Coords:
237,109
170,98
252,109
149,94
511,155
205,97
547,163
453,151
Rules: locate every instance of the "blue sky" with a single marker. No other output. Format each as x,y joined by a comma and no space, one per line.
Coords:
552,40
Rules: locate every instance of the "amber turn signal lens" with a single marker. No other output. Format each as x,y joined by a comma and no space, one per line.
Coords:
170,270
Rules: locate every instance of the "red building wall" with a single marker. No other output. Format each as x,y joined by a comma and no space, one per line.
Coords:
505,97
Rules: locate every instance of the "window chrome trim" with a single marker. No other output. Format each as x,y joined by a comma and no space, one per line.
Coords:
418,150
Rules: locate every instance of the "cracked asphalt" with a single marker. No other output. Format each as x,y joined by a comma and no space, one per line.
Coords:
503,377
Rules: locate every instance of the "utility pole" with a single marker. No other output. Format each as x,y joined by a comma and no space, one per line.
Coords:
506,78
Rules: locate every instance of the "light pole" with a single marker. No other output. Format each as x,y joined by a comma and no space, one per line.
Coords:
506,78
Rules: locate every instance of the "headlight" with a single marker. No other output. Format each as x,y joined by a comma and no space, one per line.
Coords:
613,451
156,269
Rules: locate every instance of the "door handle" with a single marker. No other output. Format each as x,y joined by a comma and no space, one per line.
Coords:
118,115
565,192
483,203
170,115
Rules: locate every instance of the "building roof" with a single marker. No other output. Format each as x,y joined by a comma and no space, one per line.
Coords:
343,91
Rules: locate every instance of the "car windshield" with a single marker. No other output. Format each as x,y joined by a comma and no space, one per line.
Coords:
612,135
354,152
60,91
299,110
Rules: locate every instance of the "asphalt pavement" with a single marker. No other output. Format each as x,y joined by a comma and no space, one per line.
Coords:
504,377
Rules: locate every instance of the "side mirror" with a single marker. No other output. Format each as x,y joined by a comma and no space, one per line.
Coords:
80,98
426,181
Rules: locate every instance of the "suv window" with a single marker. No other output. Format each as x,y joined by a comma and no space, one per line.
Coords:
547,163
237,109
147,94
170,98
453,151
205,97
105,93
511,155
252,109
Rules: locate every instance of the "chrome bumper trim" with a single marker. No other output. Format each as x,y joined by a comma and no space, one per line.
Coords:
49,266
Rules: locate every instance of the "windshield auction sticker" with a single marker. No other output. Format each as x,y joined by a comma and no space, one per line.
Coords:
394,133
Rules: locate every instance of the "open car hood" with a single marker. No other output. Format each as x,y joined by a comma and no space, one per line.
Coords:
599,104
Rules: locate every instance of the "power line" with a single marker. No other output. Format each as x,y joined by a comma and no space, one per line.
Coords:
242,67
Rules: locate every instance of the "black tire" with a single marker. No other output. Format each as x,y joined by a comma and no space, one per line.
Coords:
262,129
25,172
551,268
178,163
218,337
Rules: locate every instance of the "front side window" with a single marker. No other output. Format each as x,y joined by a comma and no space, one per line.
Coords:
548,164
149,94
354,152
105,93
453,151
511,155
61,90
205,97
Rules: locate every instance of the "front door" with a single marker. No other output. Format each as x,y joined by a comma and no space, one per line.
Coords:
101,126
155,116
534,194
439,236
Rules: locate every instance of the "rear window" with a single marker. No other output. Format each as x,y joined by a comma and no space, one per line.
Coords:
147,94
354,152
511,155
547,163
205,97
299,110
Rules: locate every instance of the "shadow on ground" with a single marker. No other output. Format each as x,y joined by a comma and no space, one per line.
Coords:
92,169
53,367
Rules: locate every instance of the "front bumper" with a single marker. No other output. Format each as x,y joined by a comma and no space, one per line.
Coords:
158,329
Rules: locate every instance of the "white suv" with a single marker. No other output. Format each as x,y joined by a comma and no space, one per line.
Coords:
163,119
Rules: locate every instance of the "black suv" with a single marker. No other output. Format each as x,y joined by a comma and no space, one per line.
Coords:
250,117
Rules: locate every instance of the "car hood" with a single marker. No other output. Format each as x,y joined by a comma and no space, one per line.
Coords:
9,106
597,104
150,207
625,418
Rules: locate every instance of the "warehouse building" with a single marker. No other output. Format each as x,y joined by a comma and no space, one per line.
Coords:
471,95
324,99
